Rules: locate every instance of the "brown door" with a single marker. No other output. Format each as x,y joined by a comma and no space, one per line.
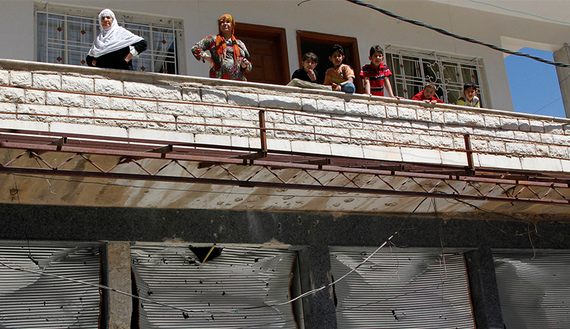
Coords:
268,50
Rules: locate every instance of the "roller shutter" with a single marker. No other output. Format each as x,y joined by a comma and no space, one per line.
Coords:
30,300
401,289
534,289
236,289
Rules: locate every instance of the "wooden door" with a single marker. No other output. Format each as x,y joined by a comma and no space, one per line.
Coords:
268,50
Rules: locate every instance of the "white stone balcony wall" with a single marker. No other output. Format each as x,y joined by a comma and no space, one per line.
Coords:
70,99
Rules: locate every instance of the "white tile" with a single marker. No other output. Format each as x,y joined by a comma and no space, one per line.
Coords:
421,155
382,153
311,147
454,158
94,130
213,139
238,141
22,124
495,161
565,165
354,151
541,164
278,144
161,135
255,143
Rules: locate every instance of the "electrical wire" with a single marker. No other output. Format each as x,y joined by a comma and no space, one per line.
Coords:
547,105
385,12
360,264
519,12
233,311
230,311
453,35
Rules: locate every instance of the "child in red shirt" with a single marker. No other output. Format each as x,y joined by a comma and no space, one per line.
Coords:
427,95
376,74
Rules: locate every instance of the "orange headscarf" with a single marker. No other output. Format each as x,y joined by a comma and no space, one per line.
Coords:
221,41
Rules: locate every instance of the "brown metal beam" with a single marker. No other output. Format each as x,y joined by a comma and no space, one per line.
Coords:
262,131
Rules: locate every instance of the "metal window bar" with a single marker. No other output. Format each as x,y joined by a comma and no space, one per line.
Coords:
65,40
403,78
63,45
441,72
47,33
175,48
420,63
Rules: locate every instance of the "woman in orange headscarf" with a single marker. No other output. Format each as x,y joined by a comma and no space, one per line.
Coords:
228,56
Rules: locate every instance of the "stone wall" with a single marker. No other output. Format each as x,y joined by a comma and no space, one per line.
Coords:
70,99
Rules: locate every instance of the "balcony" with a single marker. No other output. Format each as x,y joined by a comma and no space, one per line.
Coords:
90,137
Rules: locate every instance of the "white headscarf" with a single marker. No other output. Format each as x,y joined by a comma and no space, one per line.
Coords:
113,38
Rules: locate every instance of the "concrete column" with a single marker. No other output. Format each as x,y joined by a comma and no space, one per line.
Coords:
563,55
318,308
119,307
484,290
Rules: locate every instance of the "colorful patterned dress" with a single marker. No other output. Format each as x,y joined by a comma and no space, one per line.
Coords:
226,66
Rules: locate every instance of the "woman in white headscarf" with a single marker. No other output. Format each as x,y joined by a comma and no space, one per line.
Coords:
115,46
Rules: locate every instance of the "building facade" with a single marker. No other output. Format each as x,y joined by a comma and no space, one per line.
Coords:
157,200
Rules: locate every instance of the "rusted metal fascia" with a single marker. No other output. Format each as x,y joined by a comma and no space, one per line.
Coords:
41,171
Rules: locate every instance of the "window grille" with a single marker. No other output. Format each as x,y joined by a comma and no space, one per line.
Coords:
412,69
64,35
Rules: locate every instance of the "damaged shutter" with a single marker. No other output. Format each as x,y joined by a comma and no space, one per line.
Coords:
238,287
30,300
534,289
401,289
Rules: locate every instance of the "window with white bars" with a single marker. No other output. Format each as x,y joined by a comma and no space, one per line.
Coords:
64,35
412,69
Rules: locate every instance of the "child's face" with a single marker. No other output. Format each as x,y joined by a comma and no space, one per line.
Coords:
470,93
336,58
429,92
376,59
309,64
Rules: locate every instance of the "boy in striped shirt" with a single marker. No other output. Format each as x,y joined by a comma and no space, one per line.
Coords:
376,74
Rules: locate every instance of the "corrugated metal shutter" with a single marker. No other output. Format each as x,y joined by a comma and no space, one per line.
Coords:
534,293
219,291
401,289
29,300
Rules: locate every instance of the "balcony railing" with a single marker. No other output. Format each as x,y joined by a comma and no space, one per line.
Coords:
102,124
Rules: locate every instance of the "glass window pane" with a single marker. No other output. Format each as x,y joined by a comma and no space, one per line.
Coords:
67,39
413,69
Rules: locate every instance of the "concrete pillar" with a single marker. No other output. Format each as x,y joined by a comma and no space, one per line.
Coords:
118,276
563,55
318,308
484,290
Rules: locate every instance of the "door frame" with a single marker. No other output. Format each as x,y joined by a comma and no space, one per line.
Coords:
253,30
346,42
